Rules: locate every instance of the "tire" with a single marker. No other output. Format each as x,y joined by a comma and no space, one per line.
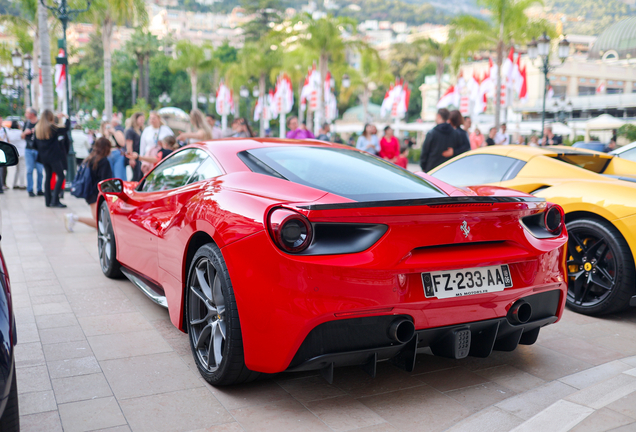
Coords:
601,273
10,420
106,245
212,320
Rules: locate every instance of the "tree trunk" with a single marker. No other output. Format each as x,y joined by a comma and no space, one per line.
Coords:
261,92
140,84
107,34
147,78
500,53
365,103
323,67
45,54
35,88
193,82
300,92
439,72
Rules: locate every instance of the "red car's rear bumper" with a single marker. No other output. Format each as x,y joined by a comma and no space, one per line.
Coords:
281,298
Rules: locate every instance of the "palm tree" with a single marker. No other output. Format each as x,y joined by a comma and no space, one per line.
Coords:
44,57
323,39
509,25
21,26
107,14
437,52
142,45
372,73
194,59
259,60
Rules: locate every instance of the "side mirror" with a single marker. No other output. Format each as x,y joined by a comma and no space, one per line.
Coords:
112,186
8,154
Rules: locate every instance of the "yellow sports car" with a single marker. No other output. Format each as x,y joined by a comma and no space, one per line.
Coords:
598,194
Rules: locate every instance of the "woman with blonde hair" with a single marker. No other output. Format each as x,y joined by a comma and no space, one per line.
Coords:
51,154
202,130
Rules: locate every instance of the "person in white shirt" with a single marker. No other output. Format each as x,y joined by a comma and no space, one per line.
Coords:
502,138
14,135
154,132
4,136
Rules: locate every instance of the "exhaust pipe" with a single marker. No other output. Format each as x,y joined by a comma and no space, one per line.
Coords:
520,312
401,330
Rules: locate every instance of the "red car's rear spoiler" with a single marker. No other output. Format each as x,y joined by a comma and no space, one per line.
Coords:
464,200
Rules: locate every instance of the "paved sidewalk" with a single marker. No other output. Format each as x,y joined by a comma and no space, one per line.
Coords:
96,354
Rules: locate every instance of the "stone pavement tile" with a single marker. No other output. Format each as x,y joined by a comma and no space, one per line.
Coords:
99,306
61,334
382,427
526,405
451,379
55,321
47,299
33,379
429,363
23,315
81,387
167,329
497,358
36,402
630,361
20,300
114,429
280,416
42,422
625,405
227,427
245,395
511,377
558,417
67,350
45,290
343,413
602,420
594,375
74,367
492,419
148,375
631,372
409,409
91,414
131,344
310,388
28,332
605,392
28,354
481,396
115,323
183,410
616,342
545,363
582,350
358,383
180,345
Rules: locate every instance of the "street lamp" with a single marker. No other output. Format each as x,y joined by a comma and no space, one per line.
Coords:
25,63
16,58
65,14
541,48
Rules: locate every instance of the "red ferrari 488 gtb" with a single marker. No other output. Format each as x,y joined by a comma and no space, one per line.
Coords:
278,255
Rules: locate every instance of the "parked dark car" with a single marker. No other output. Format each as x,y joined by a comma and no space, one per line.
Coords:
592,145
9,413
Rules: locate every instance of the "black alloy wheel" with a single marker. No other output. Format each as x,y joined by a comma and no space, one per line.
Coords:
10,420
212,320
601,270
106,244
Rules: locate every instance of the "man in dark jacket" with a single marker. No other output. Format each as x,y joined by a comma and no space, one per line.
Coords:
439,143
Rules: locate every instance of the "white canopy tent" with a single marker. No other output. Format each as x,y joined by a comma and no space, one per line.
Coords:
602,122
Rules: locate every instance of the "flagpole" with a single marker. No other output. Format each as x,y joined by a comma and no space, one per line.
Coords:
282,124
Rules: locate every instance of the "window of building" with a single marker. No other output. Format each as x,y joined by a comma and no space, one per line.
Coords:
620,83
583,80
592,81
610,82
564,78
587,90
614,90
559,90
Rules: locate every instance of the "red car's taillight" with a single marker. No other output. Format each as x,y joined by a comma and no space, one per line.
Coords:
553,218
290,230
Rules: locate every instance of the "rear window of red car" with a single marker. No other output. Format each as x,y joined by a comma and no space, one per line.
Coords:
348,173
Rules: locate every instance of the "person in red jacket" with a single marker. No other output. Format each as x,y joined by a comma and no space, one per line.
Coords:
389,146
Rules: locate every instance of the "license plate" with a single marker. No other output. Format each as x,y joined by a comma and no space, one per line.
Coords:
459,283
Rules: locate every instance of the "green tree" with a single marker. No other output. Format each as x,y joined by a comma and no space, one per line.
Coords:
106,14
323,39
143,45
267,13
509,25
194,59
438,53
